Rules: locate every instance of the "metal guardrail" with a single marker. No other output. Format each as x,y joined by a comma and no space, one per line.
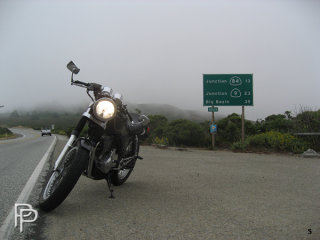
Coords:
308,134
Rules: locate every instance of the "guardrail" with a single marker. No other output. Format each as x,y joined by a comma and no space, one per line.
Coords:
308,134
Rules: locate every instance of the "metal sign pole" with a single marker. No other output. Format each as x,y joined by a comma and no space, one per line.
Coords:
242,123
213,135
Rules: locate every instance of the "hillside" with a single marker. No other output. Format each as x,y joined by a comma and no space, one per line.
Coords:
63,113
172,112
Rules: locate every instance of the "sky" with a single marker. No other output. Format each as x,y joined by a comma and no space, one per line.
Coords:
156,51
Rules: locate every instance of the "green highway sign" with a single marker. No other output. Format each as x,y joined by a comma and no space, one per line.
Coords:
227,90
212,109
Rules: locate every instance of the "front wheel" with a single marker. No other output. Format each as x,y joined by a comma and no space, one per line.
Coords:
62,181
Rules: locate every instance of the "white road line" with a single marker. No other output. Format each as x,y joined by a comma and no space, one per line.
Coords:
8,224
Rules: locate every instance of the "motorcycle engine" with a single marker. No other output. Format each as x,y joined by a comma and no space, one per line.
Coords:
105,164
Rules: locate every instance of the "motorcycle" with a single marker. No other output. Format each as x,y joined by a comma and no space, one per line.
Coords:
108,151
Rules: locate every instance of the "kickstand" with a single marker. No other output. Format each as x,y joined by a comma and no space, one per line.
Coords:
110,186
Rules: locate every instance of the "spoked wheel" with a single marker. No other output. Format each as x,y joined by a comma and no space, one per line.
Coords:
62,180
119,177
123,173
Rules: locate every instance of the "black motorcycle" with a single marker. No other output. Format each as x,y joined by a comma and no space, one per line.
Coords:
108,151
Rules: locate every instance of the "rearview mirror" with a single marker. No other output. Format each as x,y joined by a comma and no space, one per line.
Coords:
73,68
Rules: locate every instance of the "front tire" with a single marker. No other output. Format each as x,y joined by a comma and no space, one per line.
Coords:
62,181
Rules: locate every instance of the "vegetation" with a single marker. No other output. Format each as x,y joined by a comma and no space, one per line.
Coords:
5,132
274,133
160,141
37,119
229,129
272,141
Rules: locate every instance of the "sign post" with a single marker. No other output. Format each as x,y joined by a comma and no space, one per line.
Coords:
242,125
228,90
213,134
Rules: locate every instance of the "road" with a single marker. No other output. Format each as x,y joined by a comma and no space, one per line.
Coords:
18,159
195,194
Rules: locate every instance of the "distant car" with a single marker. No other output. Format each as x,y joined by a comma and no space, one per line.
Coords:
45,131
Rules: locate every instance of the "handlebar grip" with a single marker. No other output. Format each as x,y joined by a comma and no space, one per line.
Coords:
81,83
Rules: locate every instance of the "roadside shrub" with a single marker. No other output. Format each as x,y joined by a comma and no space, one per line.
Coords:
4,132
158,124
272,141
239,146
308,121
184,133
229,130
278,122
160,140
59,131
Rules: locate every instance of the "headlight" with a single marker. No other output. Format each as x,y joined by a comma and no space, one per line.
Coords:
104,109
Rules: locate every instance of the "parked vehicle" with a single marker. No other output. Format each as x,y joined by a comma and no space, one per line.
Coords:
45,131
109,150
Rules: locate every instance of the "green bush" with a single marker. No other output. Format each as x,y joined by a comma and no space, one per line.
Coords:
185,133
229,130
274,141
308,121
158,124
161,141
59,131
239,146
5,132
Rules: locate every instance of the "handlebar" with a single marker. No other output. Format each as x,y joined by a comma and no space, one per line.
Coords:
96,88
79,83
89,86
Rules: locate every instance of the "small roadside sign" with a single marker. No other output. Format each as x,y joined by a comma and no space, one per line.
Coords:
213,128
212,109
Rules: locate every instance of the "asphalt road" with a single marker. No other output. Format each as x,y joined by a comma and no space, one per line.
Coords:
195,194
18,159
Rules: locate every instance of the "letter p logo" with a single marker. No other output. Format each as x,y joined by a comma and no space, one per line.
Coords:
23,212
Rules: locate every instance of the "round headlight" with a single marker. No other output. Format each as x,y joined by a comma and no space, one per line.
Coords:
104,109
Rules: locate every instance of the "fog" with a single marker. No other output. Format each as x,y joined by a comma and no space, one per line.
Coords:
157,51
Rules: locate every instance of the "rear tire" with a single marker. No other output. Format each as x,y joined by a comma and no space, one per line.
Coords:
119,177
62,181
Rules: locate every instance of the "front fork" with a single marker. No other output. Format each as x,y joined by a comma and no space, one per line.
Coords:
74,136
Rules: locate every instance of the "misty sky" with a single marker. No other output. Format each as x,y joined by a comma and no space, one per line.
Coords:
156,51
